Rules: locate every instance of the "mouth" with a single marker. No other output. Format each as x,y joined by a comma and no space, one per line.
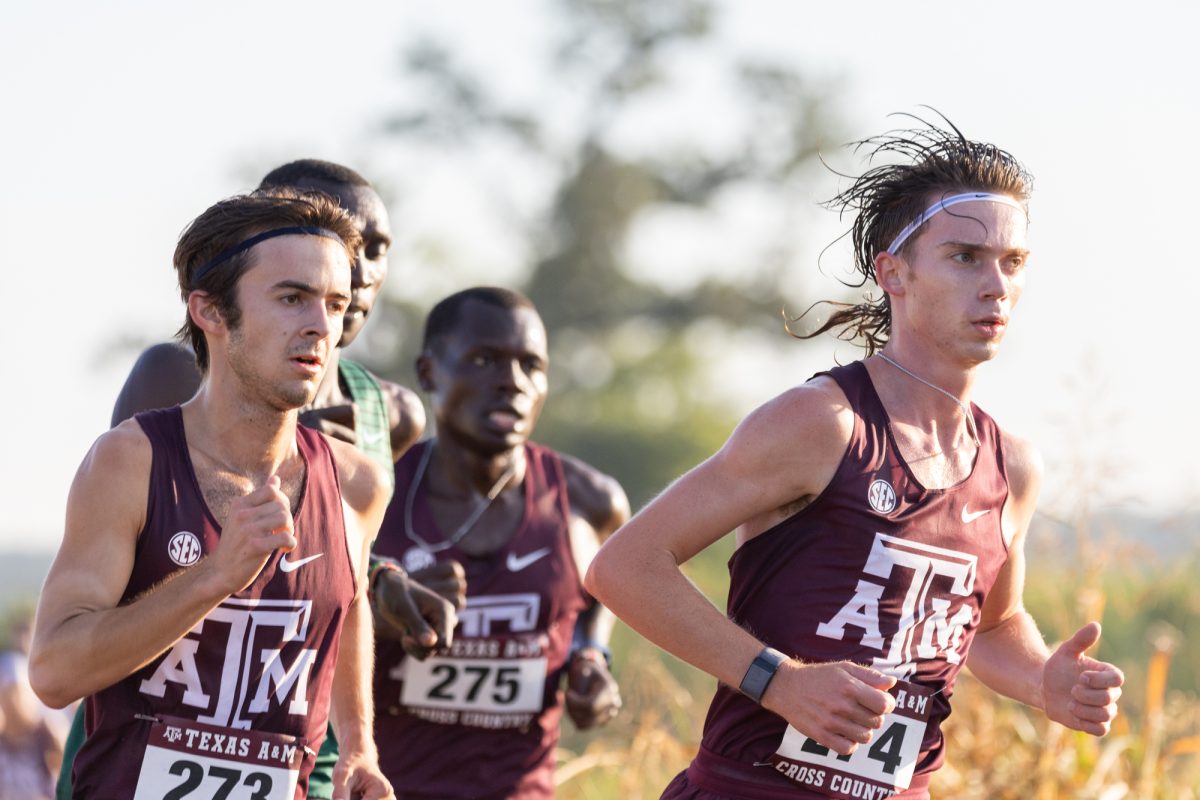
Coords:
507,419
991,325
308,363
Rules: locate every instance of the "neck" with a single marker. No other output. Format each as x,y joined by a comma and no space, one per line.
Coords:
468,472
918,394
248,437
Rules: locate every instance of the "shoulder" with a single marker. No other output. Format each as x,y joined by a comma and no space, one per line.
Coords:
1023,466
406,415
164,375
365,486
115,473
813,421
596,497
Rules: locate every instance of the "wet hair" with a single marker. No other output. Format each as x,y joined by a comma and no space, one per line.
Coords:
231,222
446,314
306,171
888,197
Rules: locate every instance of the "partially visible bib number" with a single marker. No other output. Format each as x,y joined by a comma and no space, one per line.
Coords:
879,768
187,760
475,684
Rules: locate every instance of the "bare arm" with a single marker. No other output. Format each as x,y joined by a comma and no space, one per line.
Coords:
598,507
357,774
84,641
1009,655
787,450
164,375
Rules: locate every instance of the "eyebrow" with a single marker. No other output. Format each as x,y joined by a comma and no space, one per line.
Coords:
308,289
1023,251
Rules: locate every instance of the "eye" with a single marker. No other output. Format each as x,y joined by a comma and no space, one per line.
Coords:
375,251
533,365
482,360
290,299
338,306
964,257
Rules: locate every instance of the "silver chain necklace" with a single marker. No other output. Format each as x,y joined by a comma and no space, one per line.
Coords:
465,528
966,411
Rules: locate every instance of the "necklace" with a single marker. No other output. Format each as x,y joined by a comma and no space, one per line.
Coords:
469,523
966,411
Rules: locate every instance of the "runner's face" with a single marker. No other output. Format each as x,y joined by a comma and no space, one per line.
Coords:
962,278
370,268
292,300
487,378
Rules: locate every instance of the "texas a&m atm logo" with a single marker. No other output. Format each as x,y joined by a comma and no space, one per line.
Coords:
928,629
254,674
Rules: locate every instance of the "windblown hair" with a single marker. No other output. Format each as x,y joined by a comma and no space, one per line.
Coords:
446,314
888,197
231,222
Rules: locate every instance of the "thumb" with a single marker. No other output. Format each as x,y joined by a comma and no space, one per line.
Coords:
871,677
1084,639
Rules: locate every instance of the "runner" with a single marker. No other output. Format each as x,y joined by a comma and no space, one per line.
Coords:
207,599
880,517
521,522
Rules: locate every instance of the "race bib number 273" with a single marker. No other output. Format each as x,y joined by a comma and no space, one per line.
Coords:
188,760
876,770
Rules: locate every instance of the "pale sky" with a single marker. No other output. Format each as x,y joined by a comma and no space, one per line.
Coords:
125,120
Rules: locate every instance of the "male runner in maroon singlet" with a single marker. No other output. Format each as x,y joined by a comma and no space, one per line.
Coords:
880,523
523,522
208,599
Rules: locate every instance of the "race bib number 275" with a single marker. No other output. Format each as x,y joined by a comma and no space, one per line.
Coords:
878,769
188,760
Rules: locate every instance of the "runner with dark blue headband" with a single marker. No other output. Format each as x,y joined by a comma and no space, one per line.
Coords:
225,255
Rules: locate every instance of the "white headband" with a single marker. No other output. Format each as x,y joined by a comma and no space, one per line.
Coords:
942,205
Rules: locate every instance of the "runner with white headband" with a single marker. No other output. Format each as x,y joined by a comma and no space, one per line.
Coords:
880,518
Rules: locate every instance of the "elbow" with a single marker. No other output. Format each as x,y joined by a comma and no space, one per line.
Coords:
49,688
598,580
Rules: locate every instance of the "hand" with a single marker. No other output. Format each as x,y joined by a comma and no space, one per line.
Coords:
593,697
356,776
258,524
839,705
420,618
447,578
1078,691
336,421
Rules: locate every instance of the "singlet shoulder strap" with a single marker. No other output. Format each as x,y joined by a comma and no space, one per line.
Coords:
374,430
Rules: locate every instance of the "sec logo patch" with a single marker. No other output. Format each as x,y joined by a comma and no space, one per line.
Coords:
882,496
184,548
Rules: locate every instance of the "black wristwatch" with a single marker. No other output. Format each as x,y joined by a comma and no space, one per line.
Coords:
762,670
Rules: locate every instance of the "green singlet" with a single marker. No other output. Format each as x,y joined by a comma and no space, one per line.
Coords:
374,439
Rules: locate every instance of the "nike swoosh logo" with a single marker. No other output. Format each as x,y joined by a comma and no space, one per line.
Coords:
373,437
517,563
292,566
971,516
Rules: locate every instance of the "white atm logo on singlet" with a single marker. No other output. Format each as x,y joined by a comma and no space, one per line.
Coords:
927,628
517,612
252,633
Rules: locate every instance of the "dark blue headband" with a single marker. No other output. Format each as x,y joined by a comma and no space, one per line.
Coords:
225,255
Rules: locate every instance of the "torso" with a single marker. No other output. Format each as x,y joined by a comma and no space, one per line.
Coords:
876,569
483,721
261,662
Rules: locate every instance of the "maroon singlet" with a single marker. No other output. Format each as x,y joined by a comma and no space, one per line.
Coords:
877,570
262,661
483,721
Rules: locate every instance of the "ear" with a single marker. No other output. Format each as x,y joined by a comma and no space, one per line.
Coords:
424,369
203,311
890,273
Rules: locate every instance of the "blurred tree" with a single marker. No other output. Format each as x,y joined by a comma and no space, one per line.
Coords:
634,364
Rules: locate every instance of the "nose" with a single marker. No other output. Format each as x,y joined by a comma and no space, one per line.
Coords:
996,283
513,377
322,324
364,273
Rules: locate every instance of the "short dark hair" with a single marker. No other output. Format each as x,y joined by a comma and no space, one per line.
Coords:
306,171
231,222
888,197
446,314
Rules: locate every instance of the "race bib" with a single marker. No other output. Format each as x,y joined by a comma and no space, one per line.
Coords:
876,770
493,685
187,759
